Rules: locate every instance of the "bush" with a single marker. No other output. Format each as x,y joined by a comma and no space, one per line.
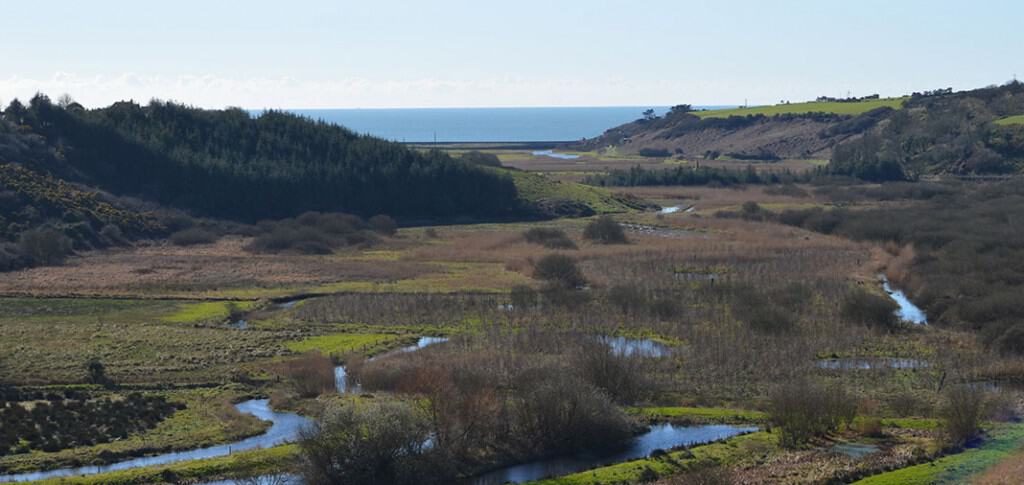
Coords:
192,236
664,308
804,409
383,224
961,414
112,234
550,238
862,306
627,298
559,270
523,297
371,442
480,158
604,230
309,375
621,376
654,153
543,418
44,246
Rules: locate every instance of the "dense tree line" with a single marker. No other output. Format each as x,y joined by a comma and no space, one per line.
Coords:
685,175
230,164
941,132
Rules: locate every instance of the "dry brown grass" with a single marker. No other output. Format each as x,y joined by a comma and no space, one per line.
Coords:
1007,472
220,269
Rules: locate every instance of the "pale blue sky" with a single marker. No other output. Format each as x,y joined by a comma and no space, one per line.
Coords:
440,53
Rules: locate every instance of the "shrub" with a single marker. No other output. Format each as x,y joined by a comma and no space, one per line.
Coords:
664,308
523,297
654,152
961,414
44,246
550,238
1012,340
804,409
480,158
862,306
620,375
309,375
192,236
371,442
542,415
559,270
383,224
604,230
627,298
112,234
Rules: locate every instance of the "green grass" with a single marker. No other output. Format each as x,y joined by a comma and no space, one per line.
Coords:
207,311
533,188
855,108
728,452
49,341
722,415
237,465
1011,120
1005,440
343,343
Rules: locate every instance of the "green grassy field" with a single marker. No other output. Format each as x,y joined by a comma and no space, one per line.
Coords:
1011,120
207,311
343,343
957,468
718,415
728,452
533,188
237,465
854,108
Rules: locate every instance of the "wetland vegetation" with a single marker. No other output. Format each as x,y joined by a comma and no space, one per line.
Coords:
750,335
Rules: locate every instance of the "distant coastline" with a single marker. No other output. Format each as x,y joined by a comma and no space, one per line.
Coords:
482,125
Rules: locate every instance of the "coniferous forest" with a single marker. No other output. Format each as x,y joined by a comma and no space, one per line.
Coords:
233,165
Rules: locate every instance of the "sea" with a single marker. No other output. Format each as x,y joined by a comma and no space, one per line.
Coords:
467,125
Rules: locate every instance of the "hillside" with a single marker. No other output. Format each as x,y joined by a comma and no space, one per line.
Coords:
937,132
227,164
798,130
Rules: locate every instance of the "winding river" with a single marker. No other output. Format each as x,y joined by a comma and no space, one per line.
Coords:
286,427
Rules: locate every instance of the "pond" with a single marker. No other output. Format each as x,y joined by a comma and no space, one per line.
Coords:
659,437
285,428
634,346
868,363
554,154
907,312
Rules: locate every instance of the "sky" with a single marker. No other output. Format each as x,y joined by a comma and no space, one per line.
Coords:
454,53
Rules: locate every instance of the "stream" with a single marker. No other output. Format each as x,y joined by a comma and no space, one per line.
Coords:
659,437
908,311
286,427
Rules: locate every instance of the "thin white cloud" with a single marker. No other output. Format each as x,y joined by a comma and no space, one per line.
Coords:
215,92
